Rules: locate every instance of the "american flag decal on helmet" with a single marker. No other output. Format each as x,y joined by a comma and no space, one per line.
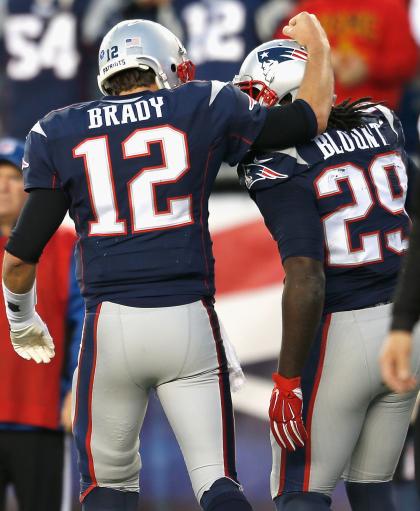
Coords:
299,54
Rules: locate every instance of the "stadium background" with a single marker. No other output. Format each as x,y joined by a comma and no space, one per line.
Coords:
48,59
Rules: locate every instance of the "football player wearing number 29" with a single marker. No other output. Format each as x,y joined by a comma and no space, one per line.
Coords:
336,208
135,171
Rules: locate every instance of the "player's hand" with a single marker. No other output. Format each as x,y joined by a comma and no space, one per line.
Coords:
33,342
286,413
307,31
395,361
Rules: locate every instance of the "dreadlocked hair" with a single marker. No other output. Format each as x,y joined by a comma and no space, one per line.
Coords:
129,79
348,115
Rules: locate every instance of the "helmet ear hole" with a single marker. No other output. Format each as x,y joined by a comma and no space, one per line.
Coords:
173,68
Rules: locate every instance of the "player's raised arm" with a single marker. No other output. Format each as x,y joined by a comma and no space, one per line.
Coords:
317,86
310,72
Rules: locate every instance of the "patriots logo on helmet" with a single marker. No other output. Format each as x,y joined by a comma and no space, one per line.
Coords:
270,58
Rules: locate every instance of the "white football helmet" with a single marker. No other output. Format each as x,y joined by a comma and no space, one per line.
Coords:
146,45
272,71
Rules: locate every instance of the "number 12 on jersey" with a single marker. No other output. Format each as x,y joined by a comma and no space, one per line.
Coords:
141,188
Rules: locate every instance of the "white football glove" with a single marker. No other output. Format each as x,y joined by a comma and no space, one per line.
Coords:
33,342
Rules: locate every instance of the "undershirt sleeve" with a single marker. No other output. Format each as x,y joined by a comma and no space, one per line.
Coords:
287,126
40,218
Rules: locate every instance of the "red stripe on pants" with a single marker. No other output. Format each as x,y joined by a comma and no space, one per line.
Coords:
94,483
312,401
216,336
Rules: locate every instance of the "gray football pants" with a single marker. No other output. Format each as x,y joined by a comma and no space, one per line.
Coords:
357,427
125,353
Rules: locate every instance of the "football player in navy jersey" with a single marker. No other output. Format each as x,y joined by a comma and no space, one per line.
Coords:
135,169
40,45
336,208
219,33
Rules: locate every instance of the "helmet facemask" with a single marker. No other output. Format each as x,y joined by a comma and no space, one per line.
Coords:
186,71
259,91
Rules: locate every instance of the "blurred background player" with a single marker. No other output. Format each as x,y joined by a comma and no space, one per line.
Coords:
40,50
145,260
346,190
35,404
219,33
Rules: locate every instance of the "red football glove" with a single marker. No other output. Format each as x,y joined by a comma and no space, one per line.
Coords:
286,413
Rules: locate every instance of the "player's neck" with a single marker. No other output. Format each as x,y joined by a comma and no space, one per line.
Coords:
151,88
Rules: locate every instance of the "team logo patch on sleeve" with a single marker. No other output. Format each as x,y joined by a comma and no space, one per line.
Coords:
257,171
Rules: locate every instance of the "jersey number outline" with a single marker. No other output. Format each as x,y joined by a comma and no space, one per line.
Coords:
35,45
141,188
340,252
215,31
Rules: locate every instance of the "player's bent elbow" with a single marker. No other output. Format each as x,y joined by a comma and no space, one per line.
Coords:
11,261
15,268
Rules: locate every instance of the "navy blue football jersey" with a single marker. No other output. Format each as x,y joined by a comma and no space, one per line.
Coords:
340,199
138,170
41,50
218,34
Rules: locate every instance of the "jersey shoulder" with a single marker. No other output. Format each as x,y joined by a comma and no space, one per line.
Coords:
380,131
389,123
53,123
210,90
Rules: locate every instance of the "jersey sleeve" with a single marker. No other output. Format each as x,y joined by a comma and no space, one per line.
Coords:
38,168
291,215
243,118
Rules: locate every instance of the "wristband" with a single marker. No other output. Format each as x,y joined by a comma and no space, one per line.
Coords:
20,308
284,383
